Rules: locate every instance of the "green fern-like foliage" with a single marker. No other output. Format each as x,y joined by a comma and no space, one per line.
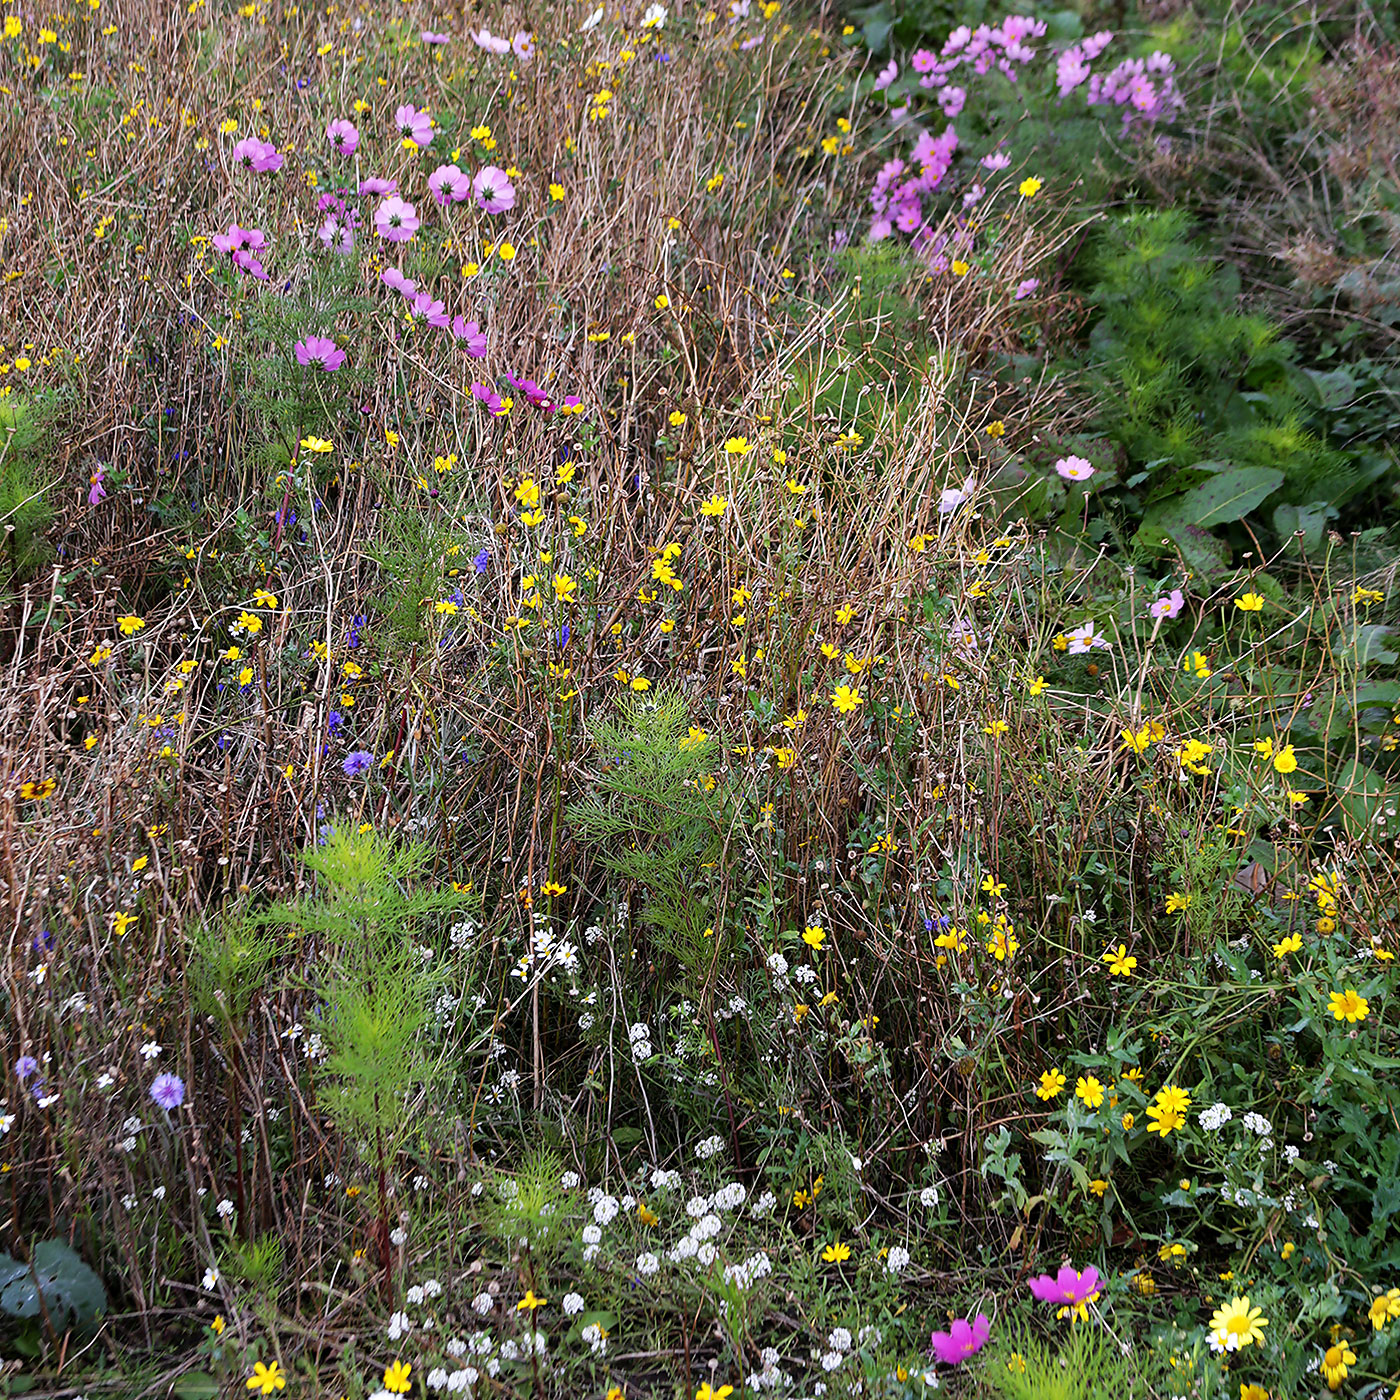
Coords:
1087,1366
25,486
526,1205
651,816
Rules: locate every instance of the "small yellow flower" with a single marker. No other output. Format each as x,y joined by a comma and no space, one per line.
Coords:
396,1378
130,625
1335,1361
836,1252
1029,187
737,447
267,1378
715,506
1052,1083
1120,964
1285,761
814,935
846,699
1348,1006
1250,602
1089,1091
529,1302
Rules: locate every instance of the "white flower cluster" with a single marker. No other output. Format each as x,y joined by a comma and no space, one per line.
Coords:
770,1377
897,1260
747,1272
640,1036
1215,1117
707,1147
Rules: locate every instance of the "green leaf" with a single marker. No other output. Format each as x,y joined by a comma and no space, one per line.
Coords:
1360,791
1228,496
73,1295
195,1385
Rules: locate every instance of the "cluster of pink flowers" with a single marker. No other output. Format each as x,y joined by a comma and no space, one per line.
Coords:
967,1336
1072,66
1144,88
522,45
425,309
900,187
1002,44
243,246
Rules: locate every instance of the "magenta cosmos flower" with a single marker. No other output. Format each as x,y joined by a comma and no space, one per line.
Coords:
414,125
344,136
235,239
449,185
1068,1286
964,1339
319,352
377,185
484,393
336,236
256,155
1168,606
471,336
493,189
1074,468
396,220
424,307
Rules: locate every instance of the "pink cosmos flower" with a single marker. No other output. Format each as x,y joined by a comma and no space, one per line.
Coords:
1083,640
471,335
491,42
319,352
998,160
246,262
431,39
414,125
343,136
532,391
1074,468
449,185
396,281
377,185
952,100
952,497
235,239
886,75
1024,289
963,1340
523,46
487,395
259,156
1169,606
425,307
1068,1286
336,236
493,189
97,492
396,220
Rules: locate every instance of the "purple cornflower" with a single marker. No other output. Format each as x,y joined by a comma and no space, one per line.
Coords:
396,220
493,189
357,763
1168,606
414,125
344,136
168,1091
964,1339
334,722
25,1066
319,351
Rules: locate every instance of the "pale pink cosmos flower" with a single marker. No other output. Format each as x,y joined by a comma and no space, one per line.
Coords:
1169,606
523,45
449,185
1083,640
344,136
493,189
97,491
998,160
471,335
1074,468
952,497
336,236
1024,289
414,125
319,352
396,220
432,40
491,42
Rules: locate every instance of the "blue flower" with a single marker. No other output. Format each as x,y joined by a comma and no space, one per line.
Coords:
334,722
481,561
357,763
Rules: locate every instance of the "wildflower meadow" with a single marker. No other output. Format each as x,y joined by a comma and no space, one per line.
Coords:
700,701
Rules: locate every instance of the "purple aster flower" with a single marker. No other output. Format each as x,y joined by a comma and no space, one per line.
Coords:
964,1339
493,189
320,352
97,492
168,1091
357,763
